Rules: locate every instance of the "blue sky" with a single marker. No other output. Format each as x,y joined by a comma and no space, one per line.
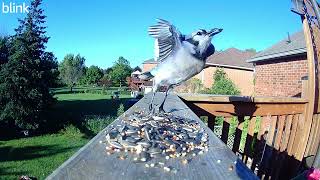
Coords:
103,30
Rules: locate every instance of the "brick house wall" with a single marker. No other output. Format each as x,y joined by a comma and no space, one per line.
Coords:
280,77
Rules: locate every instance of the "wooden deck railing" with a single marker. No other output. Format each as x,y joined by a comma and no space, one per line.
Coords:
265,132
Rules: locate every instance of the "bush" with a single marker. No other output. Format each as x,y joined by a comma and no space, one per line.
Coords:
120,110
223,85
97,123
71,131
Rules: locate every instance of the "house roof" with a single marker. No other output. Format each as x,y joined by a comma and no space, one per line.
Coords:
137,68
136,73
285,48
150,61
231,58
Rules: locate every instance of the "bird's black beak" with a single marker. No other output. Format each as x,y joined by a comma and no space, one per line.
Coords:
214,31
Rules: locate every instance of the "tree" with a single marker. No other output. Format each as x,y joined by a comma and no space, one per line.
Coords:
4,50
93,75
120,71
72,69
26,77
105,81
223,85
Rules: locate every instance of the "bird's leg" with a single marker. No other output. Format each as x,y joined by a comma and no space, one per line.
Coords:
154,90
161,109
151,109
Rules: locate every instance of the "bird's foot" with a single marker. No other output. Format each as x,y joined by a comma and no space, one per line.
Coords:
151,107
152,110
162,111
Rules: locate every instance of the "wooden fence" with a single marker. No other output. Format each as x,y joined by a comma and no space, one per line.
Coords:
273,136
269,129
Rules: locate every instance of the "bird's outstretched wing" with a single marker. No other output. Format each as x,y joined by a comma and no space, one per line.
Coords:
167,38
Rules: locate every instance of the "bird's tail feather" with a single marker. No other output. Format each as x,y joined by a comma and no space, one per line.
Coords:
146,76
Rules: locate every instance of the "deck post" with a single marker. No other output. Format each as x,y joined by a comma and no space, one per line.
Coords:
311,91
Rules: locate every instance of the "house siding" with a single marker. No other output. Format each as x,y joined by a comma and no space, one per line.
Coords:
280,78
243,79
148,66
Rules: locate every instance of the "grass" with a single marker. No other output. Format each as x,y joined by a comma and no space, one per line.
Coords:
75,119
36,156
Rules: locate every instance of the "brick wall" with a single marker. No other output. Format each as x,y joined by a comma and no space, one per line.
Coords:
280,77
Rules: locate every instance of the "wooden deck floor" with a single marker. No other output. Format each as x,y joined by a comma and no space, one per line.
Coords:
92,162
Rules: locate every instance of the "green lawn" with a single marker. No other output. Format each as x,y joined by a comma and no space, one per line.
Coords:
85,114
36,156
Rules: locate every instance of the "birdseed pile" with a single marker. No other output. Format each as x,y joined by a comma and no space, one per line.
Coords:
147,138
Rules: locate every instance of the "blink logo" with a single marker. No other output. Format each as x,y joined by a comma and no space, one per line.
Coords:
13,8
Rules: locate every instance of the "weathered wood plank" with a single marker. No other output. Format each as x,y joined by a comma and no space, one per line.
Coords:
280,126
286,134
249,109
317,137
272,129
311,136
292,134
249,139
91,161
310,107
211,122
222,98
298,141
237,136
315,141
276,155
225,130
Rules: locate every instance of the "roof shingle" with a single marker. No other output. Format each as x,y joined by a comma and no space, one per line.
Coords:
284,48
231,57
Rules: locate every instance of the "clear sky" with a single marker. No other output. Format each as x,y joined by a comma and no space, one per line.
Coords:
103,30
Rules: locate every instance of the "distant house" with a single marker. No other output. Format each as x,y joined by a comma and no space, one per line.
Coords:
136,85
232,60
279,68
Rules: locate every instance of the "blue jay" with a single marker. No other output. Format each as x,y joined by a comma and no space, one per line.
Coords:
180,57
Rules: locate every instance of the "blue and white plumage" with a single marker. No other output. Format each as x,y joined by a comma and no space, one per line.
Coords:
180,57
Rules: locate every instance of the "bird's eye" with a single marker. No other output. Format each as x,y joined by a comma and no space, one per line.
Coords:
198,33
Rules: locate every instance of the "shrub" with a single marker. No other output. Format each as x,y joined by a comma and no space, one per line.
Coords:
223,85
71,131
120,110
97,123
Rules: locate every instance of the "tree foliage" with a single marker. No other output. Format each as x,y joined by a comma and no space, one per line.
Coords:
223,85
120,71
26,77
72,69
4,50
105,81
93,75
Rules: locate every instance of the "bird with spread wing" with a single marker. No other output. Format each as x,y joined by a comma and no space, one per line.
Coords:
180,57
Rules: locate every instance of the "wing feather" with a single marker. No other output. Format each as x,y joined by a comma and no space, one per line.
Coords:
167,38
